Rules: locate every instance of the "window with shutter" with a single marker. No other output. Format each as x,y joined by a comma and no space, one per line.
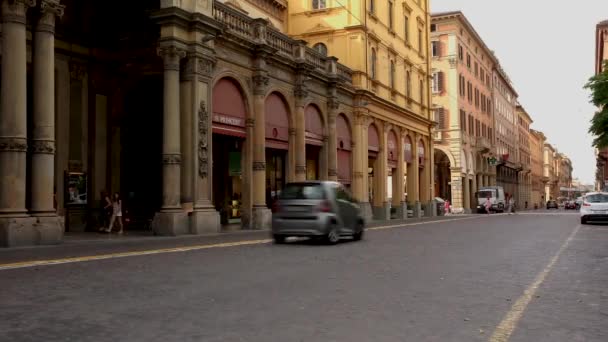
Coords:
440,82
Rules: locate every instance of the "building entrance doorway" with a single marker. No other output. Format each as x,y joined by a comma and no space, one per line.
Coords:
228,177
312,162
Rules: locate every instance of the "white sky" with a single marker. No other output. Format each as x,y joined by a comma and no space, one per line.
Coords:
547,47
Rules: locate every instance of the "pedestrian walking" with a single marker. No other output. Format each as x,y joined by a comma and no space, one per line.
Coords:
106,210
488,205
116,213
511,204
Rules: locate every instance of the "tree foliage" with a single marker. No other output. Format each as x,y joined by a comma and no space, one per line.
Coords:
598,85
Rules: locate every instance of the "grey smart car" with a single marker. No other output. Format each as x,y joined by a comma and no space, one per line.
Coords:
317,209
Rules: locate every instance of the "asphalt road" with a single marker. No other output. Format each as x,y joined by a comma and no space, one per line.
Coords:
525,277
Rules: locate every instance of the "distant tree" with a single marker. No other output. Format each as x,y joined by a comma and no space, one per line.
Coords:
598,85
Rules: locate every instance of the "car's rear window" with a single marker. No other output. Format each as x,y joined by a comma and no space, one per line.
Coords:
303,191
597,198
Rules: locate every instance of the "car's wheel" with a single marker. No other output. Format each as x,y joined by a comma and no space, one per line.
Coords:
278,239
359,230
583,220
333,236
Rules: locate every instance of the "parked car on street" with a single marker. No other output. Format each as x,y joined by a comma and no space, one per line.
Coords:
595,207
552,204
317,209
570,205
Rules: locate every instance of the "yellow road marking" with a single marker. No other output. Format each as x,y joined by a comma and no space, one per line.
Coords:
26,264
503,332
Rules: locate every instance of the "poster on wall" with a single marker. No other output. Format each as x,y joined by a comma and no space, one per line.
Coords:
75,189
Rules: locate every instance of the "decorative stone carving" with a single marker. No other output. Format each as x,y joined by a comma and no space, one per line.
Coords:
197,64
172,159
171,55
292,131
49,10
260,83
259,166
42,147
14,11
333,103
249,122
300,91
13,145
203,140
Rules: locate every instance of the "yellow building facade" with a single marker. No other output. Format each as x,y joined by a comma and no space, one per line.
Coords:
524,121
539,180
385,44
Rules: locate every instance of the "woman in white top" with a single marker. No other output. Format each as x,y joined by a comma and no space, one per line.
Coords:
116,213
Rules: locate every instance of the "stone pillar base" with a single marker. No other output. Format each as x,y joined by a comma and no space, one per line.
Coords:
418,210
261,218
402,211
382,213
29,231
366,208
170,223
204,221
431,209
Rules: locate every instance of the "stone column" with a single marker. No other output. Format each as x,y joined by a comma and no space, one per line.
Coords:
332,144
261,215
381,206
171,220
413,178
197,153
43,132
474,190
291,155
357,154
13,113
457,189
399,192
188,77
480,182
467,194
301,94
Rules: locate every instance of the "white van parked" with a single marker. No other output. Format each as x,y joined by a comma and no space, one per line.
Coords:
497,198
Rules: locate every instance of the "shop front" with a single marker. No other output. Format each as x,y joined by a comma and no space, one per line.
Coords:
344,145
277,145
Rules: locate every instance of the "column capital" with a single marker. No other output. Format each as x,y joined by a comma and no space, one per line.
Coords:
171,55
198,66
300,169
49,11
14,11
249,122
260,83
77,70
332,173
173,158
292,131
259,166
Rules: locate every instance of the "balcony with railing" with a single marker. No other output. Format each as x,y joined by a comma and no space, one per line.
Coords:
260,32
483,144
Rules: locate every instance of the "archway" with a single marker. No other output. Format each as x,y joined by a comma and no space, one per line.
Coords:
276,116
443,188
229,115
392,157
314,142
344,136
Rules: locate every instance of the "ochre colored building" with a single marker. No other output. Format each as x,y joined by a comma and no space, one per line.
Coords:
524,121
539,180
462,67
196,112
385,44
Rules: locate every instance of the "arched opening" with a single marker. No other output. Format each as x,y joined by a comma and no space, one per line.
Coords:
443,188
423,181
321,48
277,145
373,148
314,142
343,133
229,115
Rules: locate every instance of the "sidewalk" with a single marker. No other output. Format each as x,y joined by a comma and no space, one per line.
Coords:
85,244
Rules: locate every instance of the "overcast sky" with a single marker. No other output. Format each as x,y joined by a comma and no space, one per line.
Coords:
548,50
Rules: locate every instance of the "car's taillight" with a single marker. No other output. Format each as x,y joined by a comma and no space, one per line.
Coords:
325,207
585,204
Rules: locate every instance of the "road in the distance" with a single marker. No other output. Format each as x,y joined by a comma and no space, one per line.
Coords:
449,281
